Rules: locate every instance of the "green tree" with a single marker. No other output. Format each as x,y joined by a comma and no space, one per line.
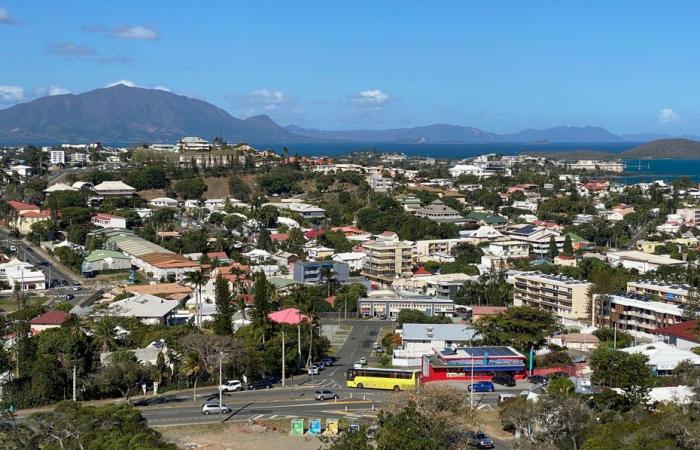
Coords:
409,430
265,241
691,307
224,310
122,373
568,249
197,279
190,188
262,296
521,327
295,241
629,372
552,251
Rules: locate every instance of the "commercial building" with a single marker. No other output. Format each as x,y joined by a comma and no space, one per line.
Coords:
659,290
313,271
391,306
387,260
418,339
101,260
634,314
564,297
482,362
642,262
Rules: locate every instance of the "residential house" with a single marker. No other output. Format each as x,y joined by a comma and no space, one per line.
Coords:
538,238
147,308
103,220
114,189
163,202
682,335
438,212
642,262
48,320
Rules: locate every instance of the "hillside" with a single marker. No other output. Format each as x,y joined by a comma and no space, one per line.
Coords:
124,114
665,148
563,134
439,133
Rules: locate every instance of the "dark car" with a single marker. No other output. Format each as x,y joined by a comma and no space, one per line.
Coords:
479,439
328,360
504,380
481,386
54,283
260,384
537,379
64,282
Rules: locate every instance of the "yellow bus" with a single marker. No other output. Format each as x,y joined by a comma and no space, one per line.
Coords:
375,378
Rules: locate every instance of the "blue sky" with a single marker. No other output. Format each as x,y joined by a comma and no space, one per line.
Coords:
630,66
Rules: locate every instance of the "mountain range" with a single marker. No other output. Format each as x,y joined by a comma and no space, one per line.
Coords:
123,114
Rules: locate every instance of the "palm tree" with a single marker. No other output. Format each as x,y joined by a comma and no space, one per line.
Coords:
327,274
197,278
192,366
103,334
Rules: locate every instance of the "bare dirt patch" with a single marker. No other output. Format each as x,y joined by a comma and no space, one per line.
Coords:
238,436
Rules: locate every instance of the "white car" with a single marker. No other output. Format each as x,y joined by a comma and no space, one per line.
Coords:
209,408
313,370
363,360
231,386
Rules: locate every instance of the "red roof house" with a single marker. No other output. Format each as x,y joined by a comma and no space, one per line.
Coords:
50,319
289,316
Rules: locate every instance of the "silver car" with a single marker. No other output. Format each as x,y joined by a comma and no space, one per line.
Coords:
325,394
214,408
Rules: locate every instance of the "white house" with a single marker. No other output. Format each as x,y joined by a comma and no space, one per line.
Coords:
23,274
643,262
149,309
103,220
353,259
163,202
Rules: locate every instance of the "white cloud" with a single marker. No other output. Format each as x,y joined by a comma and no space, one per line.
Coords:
127,83
268,101
667,116
43,91
373,97
6,18
137,32
11,94
70,49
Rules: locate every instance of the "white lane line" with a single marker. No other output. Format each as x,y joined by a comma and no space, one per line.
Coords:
258,416
273,416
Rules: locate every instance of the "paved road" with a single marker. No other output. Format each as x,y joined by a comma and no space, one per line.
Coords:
27,253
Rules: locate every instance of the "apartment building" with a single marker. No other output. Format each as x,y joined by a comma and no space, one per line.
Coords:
387,260
313,271
57,157
429,247
193,144
379,183
658,290
510,249
634,314
538,238
564,297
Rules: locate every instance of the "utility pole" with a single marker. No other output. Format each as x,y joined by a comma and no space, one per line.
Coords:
283,361
615,335
221,391
74,376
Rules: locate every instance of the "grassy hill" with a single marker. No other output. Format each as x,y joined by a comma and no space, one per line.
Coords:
665,149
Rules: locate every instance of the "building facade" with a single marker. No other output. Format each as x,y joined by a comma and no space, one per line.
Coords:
564,297
387,260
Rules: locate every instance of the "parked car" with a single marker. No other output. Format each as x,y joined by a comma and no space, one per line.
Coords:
54,283
363,360
76,288
64,282
505,380
537,379
383,317
214,408
312,370
481,386
231,386
319,364
263,383
325,395
504,397
479,439
328,360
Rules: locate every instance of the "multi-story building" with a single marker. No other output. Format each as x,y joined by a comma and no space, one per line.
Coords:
379,183
510,249
634,314
193,144
691,216
564,297
658,290
315,271
391,306
387,260
57,157
429,247
538,238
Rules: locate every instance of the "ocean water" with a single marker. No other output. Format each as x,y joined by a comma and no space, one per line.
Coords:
635,171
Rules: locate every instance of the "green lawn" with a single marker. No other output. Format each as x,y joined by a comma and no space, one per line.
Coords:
9,304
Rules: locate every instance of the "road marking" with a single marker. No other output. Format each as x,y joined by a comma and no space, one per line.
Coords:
273,416
258,416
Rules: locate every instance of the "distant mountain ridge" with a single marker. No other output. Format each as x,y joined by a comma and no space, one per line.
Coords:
122,114
129,114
